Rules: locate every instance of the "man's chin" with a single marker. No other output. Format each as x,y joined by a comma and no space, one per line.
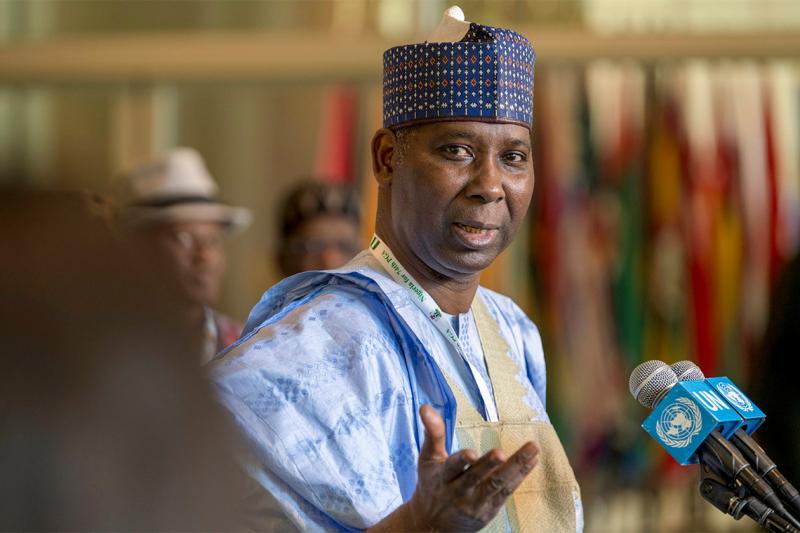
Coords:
467,263
201,296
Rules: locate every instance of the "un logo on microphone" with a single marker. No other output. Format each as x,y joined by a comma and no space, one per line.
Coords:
690,411
679,423
734,395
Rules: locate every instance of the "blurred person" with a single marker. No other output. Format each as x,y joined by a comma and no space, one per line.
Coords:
776,372
107,421
319,227
395,393
168,207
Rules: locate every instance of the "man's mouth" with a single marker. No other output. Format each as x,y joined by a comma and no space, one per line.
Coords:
472,227
475,234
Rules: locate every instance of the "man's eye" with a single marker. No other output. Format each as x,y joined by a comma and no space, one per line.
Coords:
457,150
515,157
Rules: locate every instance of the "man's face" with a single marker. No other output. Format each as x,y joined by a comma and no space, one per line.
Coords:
321,243
459,192
194,252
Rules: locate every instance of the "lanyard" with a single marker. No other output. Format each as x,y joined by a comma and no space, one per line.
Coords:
427,305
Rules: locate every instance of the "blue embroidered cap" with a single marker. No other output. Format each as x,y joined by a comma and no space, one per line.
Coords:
487,75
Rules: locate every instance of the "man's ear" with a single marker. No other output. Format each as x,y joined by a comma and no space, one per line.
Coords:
384,144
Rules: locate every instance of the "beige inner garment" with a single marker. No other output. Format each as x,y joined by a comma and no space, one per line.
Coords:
545,501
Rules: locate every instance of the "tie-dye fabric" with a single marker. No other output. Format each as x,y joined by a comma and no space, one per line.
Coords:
326,382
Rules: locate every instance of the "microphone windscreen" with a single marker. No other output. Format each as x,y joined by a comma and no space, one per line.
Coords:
650,381
687,371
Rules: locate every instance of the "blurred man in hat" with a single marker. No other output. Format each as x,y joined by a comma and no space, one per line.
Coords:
169,208
319,227
395,392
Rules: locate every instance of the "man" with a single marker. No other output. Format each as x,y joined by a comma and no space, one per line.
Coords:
333,368
168,207
319,228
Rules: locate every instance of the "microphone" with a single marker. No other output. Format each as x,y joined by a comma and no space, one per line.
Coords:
691,422
755,454
684,413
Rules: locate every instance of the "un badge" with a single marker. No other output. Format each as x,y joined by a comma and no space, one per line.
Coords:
679,423
734,395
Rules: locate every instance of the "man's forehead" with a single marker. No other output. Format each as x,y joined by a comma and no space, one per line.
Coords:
195,226
475,130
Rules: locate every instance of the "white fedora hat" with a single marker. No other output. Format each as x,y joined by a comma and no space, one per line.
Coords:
174,187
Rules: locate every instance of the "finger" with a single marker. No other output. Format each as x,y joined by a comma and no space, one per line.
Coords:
435,447
457,463
473,477
504,480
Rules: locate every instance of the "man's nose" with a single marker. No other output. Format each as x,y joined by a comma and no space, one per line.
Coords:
486,184
205,250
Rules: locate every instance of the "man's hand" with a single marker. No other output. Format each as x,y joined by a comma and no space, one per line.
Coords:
460,492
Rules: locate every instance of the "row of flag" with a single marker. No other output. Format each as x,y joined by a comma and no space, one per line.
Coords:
667,202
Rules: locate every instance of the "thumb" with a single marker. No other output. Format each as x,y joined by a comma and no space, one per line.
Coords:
434,448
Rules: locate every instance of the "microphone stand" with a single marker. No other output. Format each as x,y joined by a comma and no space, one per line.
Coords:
715,491
767,468
724,459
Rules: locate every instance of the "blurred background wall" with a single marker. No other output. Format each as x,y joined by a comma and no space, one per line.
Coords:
668,189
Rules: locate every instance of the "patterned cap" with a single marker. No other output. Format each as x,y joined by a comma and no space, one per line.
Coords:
487,75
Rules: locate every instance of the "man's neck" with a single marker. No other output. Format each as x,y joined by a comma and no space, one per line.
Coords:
454,295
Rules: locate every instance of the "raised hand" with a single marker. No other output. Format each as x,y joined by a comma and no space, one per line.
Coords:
458,492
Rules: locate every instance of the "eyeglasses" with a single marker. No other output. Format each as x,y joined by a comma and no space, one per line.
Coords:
192,241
